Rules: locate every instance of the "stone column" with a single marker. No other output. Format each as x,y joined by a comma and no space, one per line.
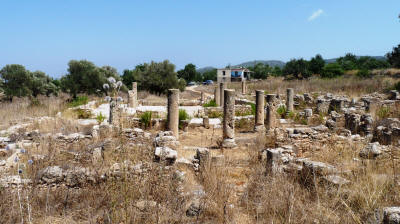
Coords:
289,99
270,112
216,95
222,87
259,118
202,98
132,96
229,119
244,87
173,112
206,122
308,113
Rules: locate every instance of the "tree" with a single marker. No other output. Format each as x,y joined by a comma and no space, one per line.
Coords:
189,73
348,62
332,70
39,83
370,63
85,77
16,81
260,71
210,75
394,57
155,77
317,63
129,76
277,71
299,69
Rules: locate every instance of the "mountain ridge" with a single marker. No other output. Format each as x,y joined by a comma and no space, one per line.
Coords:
274,63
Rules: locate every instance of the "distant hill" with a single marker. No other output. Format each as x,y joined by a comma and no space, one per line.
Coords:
205,69
380,58
271,63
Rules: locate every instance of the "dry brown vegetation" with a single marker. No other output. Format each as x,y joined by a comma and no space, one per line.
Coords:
350,86
238,191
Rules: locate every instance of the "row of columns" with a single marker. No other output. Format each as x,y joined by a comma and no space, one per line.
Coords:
219,92
263,112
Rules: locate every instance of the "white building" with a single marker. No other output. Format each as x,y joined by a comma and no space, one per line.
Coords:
233,74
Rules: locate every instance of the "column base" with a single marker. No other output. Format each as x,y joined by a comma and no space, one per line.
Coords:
259,128
229,143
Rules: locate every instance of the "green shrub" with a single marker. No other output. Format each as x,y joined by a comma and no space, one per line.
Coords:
364,73
215,114
332,70
397,86
78,101
292,115
83,114
145,119
383,112
183,116
253,108
212,103
281,111
100,118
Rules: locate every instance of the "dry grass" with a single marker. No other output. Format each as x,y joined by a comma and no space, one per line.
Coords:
238,191
22,108
351,86
284,198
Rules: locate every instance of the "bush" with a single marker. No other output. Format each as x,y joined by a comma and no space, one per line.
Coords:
253,108
332,70
78,101
83,114
281,111
364,73
397,86
100,118
145,119
212,103
215,114
183,116
383,112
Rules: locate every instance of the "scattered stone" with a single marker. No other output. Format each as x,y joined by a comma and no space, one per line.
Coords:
12,181
146,205
166,139
335,180
52,175
165,153
394,95
352,122
331,124
194,209
308,113
391,215
97,155
371,151
202,155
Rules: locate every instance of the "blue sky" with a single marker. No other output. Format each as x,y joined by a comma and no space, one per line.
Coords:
45,35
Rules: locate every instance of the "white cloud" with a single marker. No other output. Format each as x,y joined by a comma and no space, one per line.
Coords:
316,14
